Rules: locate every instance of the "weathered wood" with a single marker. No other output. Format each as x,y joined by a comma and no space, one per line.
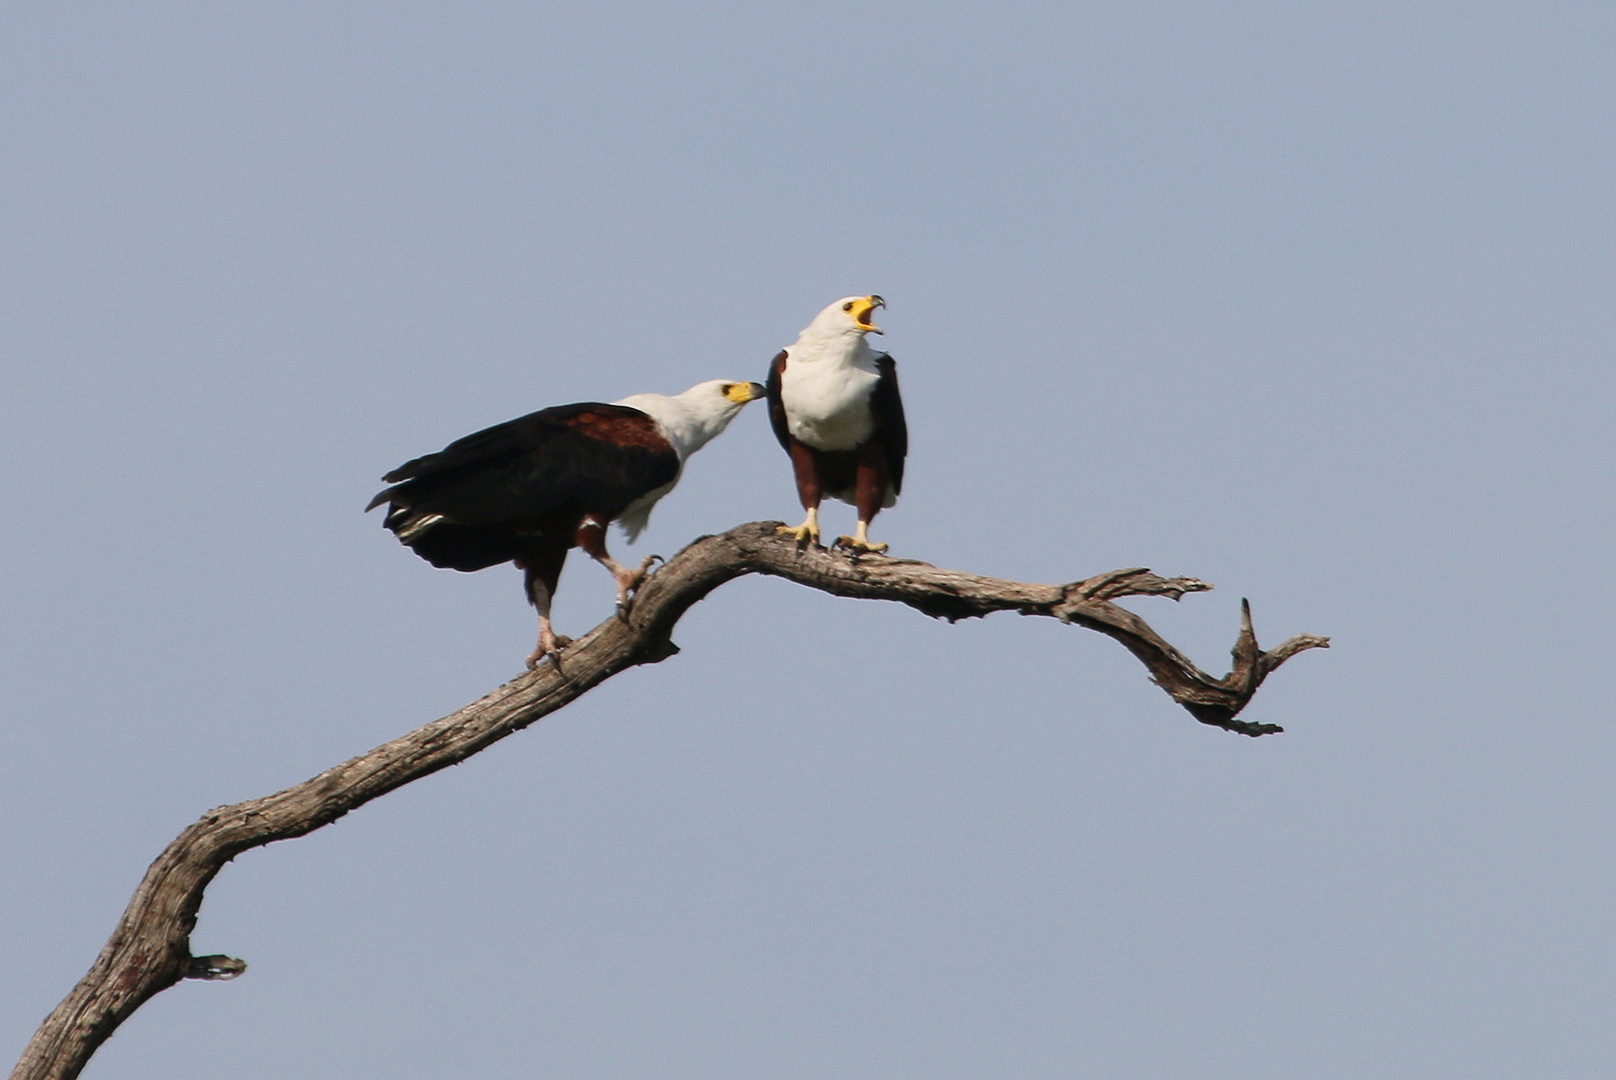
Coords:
150,949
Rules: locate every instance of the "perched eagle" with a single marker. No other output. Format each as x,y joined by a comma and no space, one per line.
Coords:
527,490
834,405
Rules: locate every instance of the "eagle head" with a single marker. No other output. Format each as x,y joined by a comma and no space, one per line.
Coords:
849,315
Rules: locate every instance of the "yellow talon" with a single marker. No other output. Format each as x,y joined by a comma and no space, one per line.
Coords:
802,534
859,543
807,532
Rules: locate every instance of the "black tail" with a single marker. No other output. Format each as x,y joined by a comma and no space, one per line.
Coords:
455,547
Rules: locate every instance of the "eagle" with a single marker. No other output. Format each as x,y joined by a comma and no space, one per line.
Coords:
528,490
834,406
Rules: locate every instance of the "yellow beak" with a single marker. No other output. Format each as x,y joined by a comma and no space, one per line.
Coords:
863,310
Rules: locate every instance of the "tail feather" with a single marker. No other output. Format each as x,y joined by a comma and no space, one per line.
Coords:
447,544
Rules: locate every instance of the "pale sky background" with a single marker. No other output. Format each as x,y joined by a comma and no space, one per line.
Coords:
1312,301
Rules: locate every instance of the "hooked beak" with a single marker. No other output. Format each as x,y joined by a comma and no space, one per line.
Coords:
863,312
742,392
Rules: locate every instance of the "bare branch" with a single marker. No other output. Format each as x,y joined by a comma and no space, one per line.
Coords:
150,949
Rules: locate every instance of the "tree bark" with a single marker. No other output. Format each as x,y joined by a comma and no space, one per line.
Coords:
149,950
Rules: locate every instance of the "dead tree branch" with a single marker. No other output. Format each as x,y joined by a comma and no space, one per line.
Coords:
150,949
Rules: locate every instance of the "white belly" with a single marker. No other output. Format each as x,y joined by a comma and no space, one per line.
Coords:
637,514
827,404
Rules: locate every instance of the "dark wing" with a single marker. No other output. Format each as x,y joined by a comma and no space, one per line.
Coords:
887,406
589,456
777,407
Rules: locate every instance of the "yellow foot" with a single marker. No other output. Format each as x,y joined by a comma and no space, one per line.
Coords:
804,534
859,547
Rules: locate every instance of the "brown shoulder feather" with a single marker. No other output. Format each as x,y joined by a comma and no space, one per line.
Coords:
620,426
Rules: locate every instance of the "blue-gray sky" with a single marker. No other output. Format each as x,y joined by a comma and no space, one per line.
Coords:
1312,301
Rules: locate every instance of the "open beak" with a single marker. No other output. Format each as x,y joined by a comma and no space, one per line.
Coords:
863,313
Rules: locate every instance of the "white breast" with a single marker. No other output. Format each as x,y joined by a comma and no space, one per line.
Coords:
827,399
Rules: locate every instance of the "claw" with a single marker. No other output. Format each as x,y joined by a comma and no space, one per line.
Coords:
629,582
859,542
804,534
549,647
859,547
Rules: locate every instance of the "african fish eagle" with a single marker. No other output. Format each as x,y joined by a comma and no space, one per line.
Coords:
527,490
834,406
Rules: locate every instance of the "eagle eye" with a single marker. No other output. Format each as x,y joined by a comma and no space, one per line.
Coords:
848,306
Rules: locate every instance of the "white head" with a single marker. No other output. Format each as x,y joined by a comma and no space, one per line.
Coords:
850,317
692,419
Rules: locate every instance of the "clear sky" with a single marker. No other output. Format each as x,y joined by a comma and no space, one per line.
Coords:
1311,301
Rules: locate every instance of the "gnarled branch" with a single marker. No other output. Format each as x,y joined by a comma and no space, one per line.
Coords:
150,949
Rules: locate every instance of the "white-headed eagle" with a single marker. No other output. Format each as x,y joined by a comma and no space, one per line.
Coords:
527,490
834,405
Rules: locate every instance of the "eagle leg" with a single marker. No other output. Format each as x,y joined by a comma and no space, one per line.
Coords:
859,544
870,487
806,533
541,570
591,537
805,470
